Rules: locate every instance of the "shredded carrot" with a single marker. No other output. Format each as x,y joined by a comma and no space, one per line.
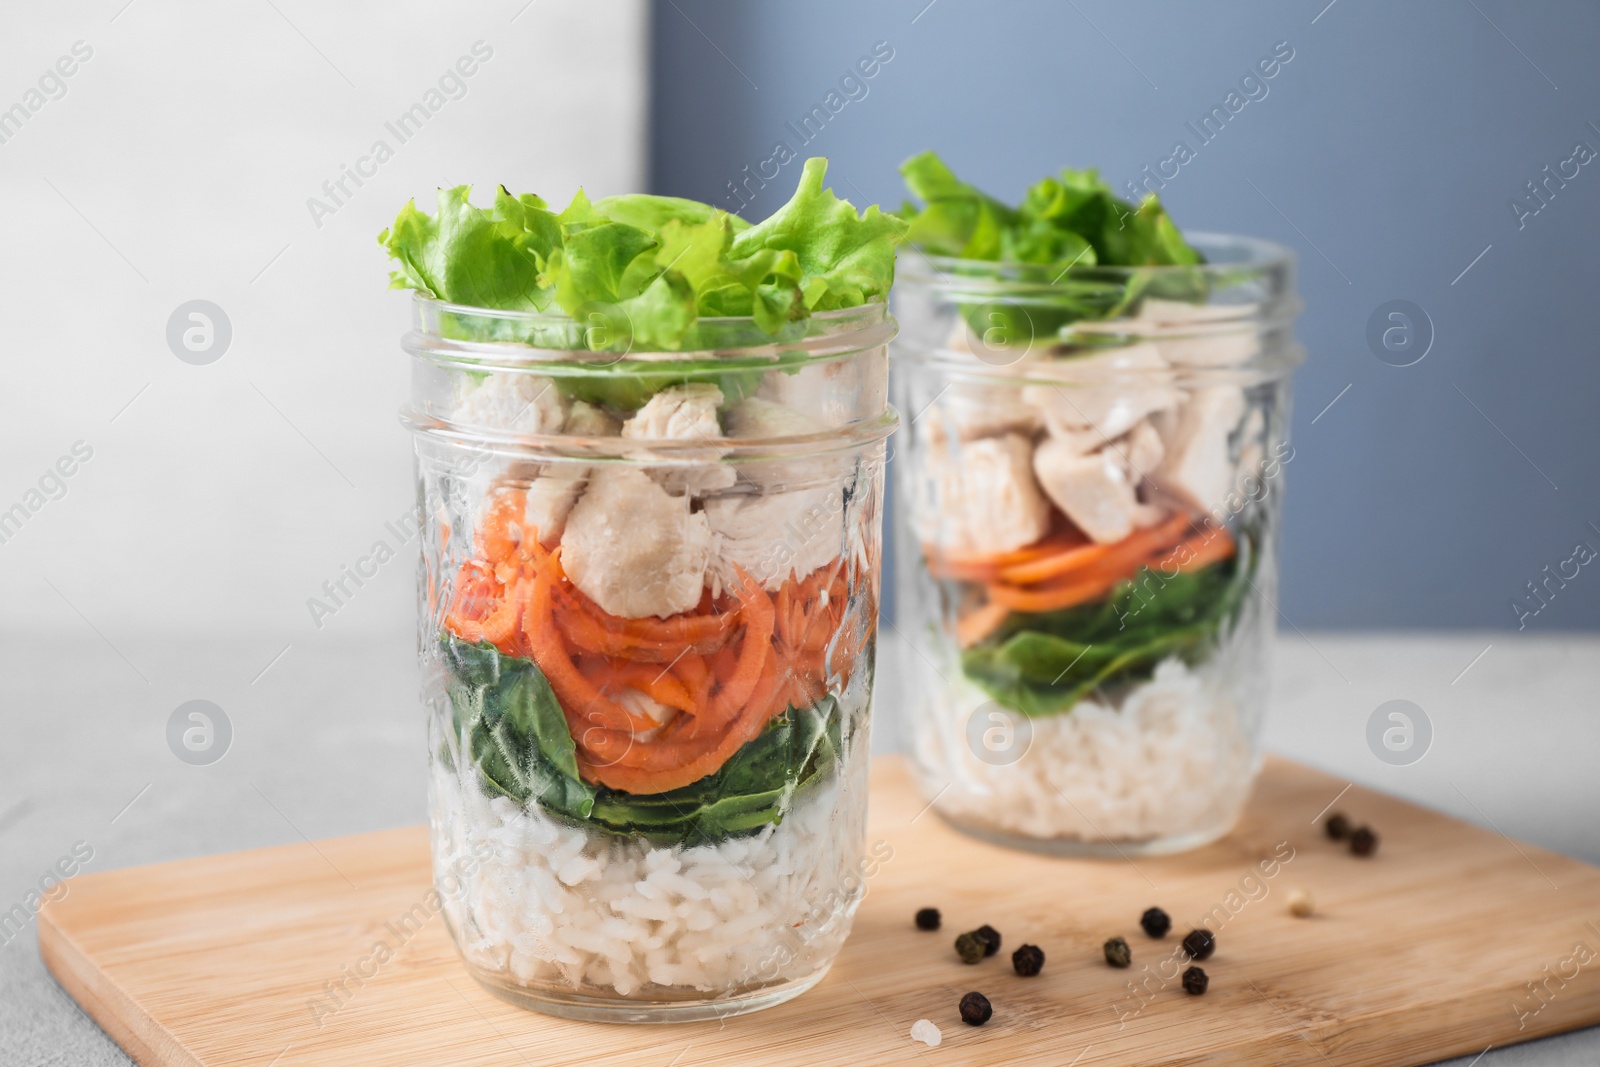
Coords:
1131,549
1093,582
726,668
980,622
580,698
654,681
736,688
501,534
1069,558
664,765
699,628
1044,598
696,677
1201,550
968,567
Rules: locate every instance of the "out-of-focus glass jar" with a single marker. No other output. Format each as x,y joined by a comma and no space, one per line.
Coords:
1086,568
649,595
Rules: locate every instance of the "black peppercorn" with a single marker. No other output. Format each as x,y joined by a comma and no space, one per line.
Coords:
1028,960
1199,944
1364,842
970,948
1337,826
928,919
1156,922
1195,981
990,938
1118,954
975,1009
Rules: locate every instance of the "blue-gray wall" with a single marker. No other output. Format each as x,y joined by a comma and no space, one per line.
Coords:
1385,152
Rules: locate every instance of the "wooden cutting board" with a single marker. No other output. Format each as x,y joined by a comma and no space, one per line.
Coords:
1422,952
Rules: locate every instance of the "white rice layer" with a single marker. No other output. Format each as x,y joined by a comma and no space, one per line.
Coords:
1173,758
558,907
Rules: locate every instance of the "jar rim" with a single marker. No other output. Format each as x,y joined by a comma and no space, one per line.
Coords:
654,452
476,337
1258,254
420,299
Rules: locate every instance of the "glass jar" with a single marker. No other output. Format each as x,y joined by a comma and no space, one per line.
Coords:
1088,573
649,595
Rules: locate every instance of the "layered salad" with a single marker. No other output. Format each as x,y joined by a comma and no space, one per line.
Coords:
1090,488
650,456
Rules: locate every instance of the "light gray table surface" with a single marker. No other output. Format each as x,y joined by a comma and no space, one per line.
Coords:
327,741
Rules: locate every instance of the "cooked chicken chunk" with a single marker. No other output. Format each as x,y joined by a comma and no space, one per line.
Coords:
974,409
1138,382
633,548
775,534
755,416
513,403
1189,335
832,392
589,420
758,418
551,495
1197,468
984,499
685,413
550,498
679,412
1141,451
1093,490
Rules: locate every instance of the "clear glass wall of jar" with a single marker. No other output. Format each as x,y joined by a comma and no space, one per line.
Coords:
1089,494
649,595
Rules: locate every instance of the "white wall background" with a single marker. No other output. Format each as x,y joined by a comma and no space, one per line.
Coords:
176,166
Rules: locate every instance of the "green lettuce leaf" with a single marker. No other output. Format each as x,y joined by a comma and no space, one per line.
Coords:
652,213
466,255
845,260
647,267
959,220
1072,220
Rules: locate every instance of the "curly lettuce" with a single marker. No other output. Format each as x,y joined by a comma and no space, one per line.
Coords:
649,266
1074,218
1065,234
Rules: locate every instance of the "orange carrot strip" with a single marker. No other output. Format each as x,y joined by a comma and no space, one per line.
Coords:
783,610
1127,553
667,765
501,533
678,630
579,697
584,626
715,714
979,623
653,680
1202,550
939,559
759,619
1070,558
696,677
1052,597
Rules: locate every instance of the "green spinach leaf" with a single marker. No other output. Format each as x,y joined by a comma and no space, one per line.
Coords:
515,732
1043,664
517,739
